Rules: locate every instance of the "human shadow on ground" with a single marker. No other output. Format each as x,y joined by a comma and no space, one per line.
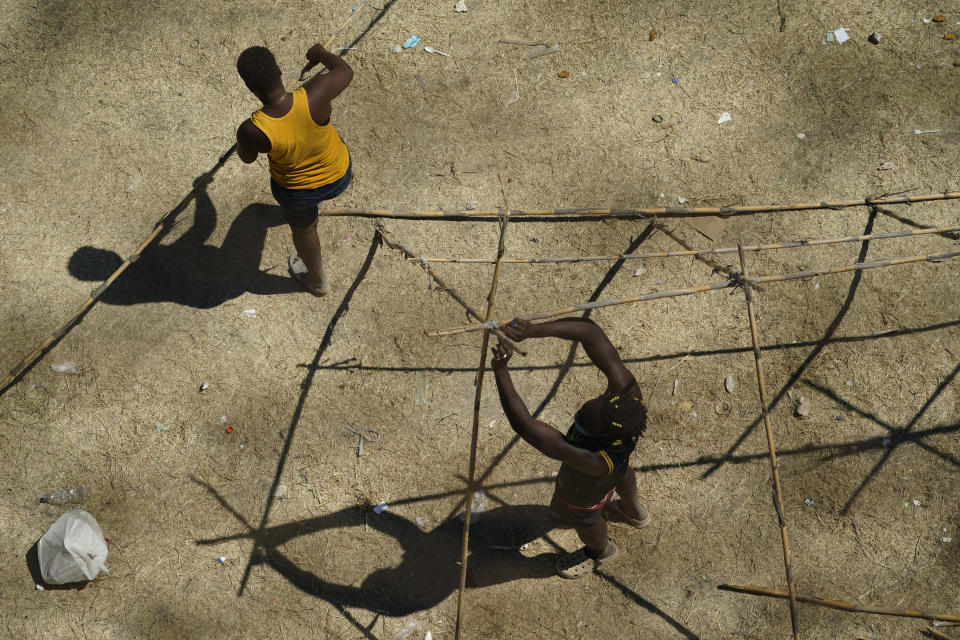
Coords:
429,569
188,271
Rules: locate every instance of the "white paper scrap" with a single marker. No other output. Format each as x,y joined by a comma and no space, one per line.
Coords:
841,35
724,117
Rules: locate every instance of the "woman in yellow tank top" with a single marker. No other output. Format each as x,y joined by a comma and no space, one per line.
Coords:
308,161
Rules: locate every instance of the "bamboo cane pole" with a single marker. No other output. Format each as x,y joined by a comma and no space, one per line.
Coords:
939,635
706,252
838,604
453,292
713,286
161,225
640,212
771,447
950,234
475,431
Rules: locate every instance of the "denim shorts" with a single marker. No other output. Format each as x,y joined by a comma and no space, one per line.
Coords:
300,206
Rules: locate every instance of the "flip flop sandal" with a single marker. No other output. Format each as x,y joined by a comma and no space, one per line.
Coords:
298,271
613,507
578,564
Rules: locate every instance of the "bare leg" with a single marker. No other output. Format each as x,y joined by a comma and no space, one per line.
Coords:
595,538
307,242
627,490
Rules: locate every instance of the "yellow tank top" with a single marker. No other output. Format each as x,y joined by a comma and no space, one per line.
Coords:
303,155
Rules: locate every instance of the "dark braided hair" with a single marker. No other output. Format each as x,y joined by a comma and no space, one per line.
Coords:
624,412
259,69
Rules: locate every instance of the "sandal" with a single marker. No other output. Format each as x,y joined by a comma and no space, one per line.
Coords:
298,271
620,517
578,564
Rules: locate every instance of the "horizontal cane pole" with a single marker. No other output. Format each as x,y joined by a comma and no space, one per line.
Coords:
840,605
707,252
639,212
713,286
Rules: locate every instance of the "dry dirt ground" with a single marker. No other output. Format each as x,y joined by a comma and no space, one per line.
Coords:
112,109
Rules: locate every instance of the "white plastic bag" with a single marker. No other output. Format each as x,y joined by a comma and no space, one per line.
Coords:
72,549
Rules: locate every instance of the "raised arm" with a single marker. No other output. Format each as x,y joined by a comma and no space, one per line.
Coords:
326,86
595,343
540,435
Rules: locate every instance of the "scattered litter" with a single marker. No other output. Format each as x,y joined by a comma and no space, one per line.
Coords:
421,385
654,34
428,636
39,587
639,272
397,49
229,429
729,383
473,204
722,408
479,506
849,383
221,560
676,385
66,367
563,74
411,42
675,80
918,132
886,166
724,117
801,135
874,38
223,419
945,540
939,18
682,200
808,502
72,549
662,195
250,313
380,508
67,495
344,239
460,7
423,85
509,97
492,422
160,427
802,410
949,36
542,50
204,386
430,49
369,435
816,285
281,491
406,630
421,522
658,119
840,35
916,503
886,442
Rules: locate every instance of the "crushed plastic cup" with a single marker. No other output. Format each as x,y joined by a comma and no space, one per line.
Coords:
66,367
411,42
